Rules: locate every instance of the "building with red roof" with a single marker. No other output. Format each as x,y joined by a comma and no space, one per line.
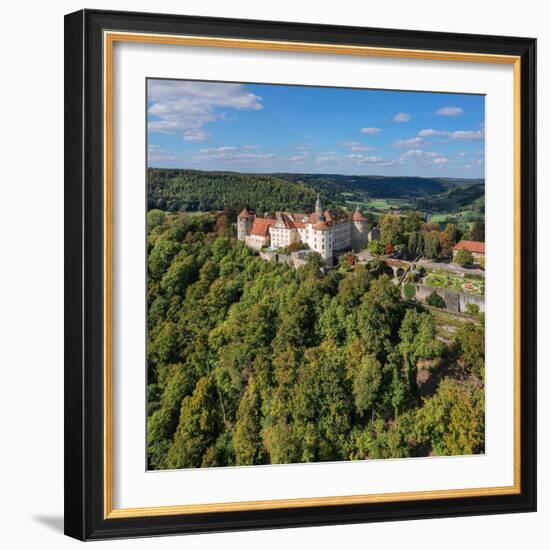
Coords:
324,231
476,248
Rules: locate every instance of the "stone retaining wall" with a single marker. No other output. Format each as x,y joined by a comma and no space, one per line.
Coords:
454,301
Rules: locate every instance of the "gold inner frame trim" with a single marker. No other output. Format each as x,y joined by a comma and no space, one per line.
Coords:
109,39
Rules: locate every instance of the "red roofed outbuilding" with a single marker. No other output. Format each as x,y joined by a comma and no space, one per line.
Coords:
476,248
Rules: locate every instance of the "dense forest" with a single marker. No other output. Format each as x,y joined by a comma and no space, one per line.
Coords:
253,362
193,190
471,197
391,187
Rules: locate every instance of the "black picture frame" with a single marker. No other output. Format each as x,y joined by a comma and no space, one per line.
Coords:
84,282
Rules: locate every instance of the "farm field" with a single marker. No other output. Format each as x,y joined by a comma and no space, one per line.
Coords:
380,204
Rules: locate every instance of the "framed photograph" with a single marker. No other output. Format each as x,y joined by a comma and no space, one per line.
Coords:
300,274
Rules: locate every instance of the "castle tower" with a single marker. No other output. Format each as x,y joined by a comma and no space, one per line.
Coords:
244,223
318,206
323,237
359,230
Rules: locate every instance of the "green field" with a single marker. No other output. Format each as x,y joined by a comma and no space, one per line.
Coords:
380,204
467,217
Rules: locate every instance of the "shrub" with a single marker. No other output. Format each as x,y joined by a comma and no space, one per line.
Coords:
435,300
409,291
472,309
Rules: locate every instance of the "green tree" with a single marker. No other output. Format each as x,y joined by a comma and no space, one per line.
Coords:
395,385
477,233
367,380
453,233
470,343
391,230
247,439
432,245
379,316
413,221
380,440
435,300
178,277
376,248
453,420
418,341
416,244
160,257
155,217
464,257
198,426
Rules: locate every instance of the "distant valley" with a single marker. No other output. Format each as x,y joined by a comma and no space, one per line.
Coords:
196,191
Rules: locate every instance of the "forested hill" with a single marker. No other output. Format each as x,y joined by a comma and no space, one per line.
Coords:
255,362
379,186
194,190
172,189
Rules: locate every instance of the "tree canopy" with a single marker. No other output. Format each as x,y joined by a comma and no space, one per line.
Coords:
254,362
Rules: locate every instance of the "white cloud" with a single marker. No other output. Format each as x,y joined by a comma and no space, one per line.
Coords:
355,146
353,159
419,153
410,142
231,154
402,117
370,131
223,149
328,157
156,154
457,134
441,160
467,134
462,154
430,132
450,111
184,107
369,159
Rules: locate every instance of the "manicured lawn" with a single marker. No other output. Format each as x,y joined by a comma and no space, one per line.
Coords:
469,283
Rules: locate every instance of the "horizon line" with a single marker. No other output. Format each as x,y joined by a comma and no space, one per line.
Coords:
315,173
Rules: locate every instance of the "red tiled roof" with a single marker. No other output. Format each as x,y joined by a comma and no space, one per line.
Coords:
471,246
331,217
261,226
288,222
321,226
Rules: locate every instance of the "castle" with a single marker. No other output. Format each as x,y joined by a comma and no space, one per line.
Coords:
324,231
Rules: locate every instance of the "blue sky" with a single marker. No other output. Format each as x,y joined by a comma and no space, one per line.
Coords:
275,128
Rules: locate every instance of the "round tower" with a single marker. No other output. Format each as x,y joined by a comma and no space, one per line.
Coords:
324,237
244,223
359,230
